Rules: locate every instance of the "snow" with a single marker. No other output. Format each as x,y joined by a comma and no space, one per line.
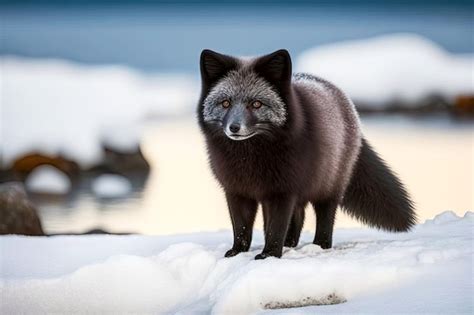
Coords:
54,106
48,179
426,270
397,67
123,139
111,185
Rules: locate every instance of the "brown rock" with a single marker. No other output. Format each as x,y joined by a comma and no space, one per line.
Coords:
24,165
17,214
464,105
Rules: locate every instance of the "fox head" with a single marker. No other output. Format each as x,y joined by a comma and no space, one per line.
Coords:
243,98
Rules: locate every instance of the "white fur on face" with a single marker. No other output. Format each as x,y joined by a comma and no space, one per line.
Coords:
239,137
244,86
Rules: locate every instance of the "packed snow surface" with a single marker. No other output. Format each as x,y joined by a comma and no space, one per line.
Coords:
399,67
111,185
48,179
55,106
426,270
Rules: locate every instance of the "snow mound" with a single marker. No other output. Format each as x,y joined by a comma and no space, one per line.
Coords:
399,67
427,270
125,138
111,186
445,217
52,106
48,179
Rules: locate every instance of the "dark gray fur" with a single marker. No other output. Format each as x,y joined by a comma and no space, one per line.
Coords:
303,146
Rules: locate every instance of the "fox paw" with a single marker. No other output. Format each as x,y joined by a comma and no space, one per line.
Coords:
325,244
232,252
264,255
291,243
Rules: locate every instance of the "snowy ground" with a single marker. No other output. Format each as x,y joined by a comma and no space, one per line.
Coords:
426,271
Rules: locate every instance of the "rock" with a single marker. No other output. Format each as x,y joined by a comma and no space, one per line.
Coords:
17,214
24,165
94,231
6,176
128,162
464,105
125,160
433,103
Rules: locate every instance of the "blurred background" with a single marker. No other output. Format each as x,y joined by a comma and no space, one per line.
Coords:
98,130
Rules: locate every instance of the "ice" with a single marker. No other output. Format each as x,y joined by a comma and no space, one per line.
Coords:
426,270
398,67
54,106
48,179
111,185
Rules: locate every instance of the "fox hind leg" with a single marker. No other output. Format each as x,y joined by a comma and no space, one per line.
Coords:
296,225
325,219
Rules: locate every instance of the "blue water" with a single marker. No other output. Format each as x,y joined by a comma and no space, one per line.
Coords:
169,38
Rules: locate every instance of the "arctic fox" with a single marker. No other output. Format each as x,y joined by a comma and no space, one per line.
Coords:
283,141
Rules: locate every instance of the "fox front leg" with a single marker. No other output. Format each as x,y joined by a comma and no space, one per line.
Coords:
277,213
242,212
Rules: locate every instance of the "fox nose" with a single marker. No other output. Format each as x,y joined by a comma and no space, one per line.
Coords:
234,127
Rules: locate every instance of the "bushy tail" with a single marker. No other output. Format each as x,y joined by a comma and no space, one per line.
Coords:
376,196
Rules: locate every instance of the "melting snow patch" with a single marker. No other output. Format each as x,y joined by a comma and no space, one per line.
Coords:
111,185
48,179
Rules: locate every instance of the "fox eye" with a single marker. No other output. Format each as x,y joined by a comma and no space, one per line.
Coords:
256,104
225,104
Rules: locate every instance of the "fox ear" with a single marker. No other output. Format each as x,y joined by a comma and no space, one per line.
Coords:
275,67
214,66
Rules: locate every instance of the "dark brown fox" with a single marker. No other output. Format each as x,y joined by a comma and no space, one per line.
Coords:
284,141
